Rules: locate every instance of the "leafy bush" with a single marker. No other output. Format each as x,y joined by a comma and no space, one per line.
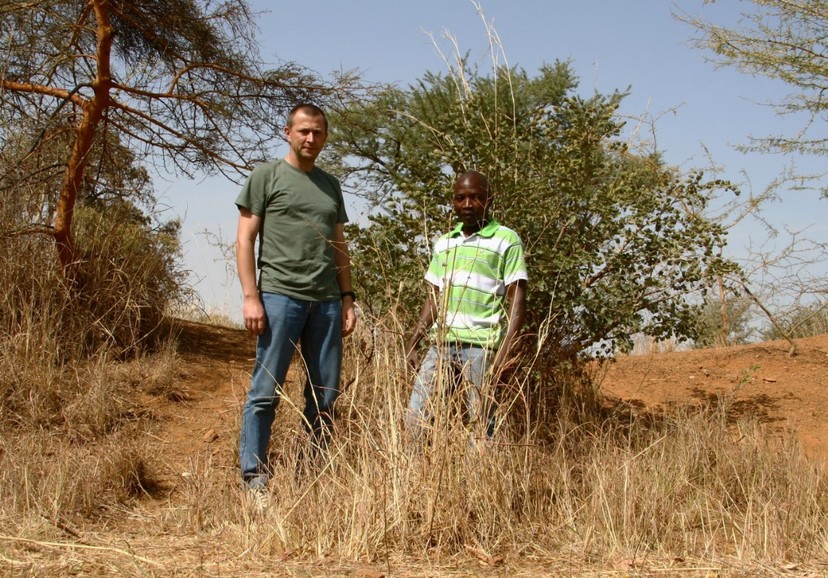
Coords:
711,319
615,241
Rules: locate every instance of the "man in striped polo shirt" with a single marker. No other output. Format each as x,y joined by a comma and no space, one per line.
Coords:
473,311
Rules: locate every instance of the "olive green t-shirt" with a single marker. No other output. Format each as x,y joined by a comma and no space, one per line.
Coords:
299,211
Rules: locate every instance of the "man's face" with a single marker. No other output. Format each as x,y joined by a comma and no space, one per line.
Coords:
306,136
470,202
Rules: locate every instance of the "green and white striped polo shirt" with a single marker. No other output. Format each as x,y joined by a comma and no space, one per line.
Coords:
472,274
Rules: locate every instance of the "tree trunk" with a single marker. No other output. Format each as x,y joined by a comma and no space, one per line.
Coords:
93,111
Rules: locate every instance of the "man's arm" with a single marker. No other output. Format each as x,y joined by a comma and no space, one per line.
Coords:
253,310
342,259
428,313
515,314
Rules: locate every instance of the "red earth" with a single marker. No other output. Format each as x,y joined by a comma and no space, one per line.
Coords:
783,391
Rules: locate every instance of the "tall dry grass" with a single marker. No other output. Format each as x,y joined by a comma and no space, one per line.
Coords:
594,485
565,478
73,365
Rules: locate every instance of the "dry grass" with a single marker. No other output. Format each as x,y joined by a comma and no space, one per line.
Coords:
589,493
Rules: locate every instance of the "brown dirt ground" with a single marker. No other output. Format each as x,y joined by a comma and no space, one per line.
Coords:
201,415
787,393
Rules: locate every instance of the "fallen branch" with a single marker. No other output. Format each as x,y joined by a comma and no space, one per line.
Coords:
82,546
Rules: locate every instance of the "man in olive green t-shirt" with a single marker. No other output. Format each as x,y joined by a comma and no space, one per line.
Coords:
303,295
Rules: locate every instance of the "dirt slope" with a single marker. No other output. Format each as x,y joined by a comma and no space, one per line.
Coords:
784,392
200,417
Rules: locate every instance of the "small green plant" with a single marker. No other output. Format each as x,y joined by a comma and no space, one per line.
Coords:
746,376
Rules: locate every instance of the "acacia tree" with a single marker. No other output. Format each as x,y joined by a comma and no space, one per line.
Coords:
615,241
176,82
785,40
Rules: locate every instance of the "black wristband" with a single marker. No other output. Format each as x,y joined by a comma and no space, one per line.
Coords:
350,294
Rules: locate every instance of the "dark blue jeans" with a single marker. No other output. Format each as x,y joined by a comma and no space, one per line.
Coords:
316,328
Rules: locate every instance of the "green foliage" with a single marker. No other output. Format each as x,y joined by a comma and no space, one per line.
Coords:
615,242
781,40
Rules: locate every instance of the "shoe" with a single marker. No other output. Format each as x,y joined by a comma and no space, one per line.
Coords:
256,482
258,497
259,500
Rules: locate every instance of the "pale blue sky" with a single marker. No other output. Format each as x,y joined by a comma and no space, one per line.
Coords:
612,44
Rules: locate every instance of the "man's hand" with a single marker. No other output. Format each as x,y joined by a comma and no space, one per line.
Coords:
428,313
254,315
349,318
501,365
412,358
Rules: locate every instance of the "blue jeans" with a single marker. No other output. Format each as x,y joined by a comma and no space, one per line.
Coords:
466,366
317,326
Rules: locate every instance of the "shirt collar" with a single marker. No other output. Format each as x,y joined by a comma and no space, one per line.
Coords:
486,231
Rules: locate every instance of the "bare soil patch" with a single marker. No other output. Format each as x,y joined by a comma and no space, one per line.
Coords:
786,393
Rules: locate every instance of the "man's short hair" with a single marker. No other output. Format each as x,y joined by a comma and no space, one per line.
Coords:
310,110
482,179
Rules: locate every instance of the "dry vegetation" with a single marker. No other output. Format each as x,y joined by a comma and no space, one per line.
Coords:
107,470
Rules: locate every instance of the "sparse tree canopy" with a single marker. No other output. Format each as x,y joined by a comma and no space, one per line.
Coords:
615,241
786,40
177,82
